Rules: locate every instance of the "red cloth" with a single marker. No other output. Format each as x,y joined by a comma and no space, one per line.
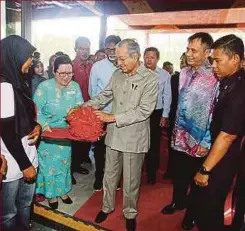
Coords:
83,126
81,76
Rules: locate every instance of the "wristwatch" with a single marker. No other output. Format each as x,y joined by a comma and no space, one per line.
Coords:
204,171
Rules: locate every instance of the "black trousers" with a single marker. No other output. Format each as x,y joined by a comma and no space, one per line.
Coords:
208,202
184,170
80,152
99,156
171,151
153,156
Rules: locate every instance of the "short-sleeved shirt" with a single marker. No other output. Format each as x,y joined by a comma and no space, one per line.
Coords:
229,110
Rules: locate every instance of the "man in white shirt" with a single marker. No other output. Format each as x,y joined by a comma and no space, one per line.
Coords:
159,117
100,76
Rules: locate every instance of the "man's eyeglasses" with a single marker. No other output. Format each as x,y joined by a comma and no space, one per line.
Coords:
64,74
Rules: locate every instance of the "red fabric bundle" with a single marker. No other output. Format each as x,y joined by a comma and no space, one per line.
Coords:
83,126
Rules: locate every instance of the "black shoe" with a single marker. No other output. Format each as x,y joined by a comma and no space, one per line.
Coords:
73,180
187,224
97,185
82,170
131,224
171,208
68,200
101,216
53,205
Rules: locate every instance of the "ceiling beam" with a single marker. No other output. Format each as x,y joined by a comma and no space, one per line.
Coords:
196,17
60,4
136,7
90,6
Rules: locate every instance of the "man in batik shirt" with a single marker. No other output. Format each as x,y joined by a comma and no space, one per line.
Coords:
191,135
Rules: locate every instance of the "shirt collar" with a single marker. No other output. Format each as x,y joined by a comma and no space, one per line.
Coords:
227,81
204,69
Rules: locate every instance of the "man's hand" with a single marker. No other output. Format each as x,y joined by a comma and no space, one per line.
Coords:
201,151
105,117
34,135
164,122
30,174
201,180
3,169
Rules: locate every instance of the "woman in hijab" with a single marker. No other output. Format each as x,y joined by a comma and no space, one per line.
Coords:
19,133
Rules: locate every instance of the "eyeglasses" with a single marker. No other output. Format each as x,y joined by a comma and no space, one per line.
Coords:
64,74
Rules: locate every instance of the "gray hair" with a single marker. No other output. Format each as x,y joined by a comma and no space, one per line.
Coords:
132,45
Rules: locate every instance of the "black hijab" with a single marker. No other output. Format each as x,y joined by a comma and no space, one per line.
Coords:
14,53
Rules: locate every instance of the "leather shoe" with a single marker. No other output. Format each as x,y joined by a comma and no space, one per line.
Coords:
171,208
82,171
101,216
131,224
68,200
53,205
187,224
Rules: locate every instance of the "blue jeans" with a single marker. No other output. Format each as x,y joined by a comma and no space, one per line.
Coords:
16,202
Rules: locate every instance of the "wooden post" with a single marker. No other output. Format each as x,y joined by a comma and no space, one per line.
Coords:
103,30
26,19
3,19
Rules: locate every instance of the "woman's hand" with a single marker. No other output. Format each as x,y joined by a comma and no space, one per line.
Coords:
34,135
47,129
3,169
30,174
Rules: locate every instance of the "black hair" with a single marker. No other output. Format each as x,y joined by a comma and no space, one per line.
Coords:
35,62
167,64
205,38
59,53
112,39
36,55
64,59
231,44
99,51
153,49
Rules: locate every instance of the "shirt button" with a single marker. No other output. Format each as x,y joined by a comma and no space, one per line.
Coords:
121,103
124,92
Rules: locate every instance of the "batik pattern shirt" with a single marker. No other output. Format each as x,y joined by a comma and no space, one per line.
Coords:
197,91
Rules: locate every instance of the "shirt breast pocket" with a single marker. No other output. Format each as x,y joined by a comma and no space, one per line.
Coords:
135,97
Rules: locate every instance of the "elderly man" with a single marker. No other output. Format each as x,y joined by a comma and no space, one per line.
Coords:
191,135
133,92
100,76
159,117
216,174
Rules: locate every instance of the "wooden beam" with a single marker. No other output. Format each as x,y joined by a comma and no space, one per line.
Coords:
135,7
90,6
196,17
